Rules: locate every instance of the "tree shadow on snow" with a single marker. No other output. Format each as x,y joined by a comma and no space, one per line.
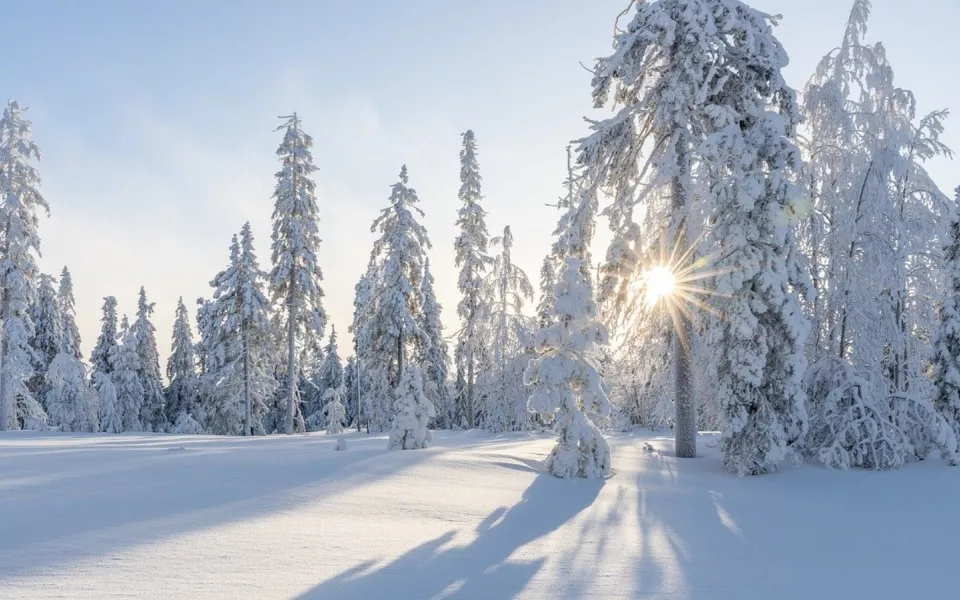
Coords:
797,534
479,569
100,502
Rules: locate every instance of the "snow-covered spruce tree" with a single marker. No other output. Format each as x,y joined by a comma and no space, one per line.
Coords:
872,231
47,339
331,369
670,70
548,279
20,205
362,328
376,395
334,411
435,357
553,261
350,393
398,257
72,403
241,358
68,315
310,357
412,411
567,388
505,291
472,260
181,392
111,414
127,381
70,400
575,228
328,376
752,162
296,276
152,412
947,357
204,351
103,351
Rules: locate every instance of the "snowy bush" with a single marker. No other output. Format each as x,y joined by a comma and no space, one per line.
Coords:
376,397
71,403
334,411
848,426
412,412
186,425
566,385
111,414
856,423
127,382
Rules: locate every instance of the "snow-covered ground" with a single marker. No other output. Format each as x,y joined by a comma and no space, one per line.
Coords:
105,516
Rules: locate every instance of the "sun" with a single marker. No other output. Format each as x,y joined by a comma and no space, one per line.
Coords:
660,282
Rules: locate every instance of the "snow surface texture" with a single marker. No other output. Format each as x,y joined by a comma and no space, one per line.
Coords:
472,517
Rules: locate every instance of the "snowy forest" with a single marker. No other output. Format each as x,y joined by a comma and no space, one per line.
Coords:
781,269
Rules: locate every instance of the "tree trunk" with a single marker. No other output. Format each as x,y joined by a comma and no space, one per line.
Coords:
685,405
685,427
292,324
248,409
470,411
4,405
359,408
399,361
291,368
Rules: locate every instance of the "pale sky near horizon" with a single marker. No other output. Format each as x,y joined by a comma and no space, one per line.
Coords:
157,120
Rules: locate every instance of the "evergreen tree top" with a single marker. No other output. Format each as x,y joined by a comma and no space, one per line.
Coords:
182,361
397,222
68,314
296,276
332,344
470,180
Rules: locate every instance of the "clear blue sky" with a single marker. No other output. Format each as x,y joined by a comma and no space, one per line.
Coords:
156,120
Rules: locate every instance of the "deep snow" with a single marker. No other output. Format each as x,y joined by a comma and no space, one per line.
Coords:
153,516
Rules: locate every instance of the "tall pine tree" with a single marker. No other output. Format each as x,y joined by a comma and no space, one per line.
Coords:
947,349
127,379
472,259
329,375
436,356
296,276
506,289
566,386
20,205
751,161
153,414
399,256
241,353
365,371
48,335
181,393
102,353
665,77
68,315
71,401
